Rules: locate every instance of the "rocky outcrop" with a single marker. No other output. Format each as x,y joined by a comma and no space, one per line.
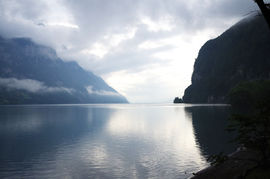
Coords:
239,54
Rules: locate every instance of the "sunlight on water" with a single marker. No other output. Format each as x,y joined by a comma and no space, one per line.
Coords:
102,141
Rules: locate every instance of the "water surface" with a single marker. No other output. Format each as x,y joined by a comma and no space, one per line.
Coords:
110,141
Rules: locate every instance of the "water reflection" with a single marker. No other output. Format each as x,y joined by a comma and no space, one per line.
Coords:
210,123
105,141
161,140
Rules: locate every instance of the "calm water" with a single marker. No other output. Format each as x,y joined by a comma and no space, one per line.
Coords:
109,141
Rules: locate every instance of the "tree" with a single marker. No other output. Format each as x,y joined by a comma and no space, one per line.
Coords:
177,100
251,119
264,7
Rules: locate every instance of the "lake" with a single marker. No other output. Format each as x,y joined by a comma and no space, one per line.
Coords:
110,141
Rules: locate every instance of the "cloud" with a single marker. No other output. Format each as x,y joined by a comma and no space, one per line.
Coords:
90,90
30,85
109,37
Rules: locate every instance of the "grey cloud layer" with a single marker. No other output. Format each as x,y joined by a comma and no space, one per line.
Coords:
101,92
30,85
96,18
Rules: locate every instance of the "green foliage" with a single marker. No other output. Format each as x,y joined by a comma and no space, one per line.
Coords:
251,119
177,100
251,101
217,159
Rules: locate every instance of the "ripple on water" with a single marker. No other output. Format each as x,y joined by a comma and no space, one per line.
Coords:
101,141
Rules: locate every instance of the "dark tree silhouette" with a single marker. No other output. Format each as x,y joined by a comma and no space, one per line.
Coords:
177,100
251,119
265,9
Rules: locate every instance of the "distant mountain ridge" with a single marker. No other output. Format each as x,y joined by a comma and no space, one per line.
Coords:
31,74
242,53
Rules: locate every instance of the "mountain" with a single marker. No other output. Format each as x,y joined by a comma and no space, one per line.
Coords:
239,54
33,74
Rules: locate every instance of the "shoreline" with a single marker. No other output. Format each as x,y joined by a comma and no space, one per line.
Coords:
236,166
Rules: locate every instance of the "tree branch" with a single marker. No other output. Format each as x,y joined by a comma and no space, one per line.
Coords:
265,10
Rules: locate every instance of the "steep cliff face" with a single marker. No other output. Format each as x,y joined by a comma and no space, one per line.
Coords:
242,53
31,74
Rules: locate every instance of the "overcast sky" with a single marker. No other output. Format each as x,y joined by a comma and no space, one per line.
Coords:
145,49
